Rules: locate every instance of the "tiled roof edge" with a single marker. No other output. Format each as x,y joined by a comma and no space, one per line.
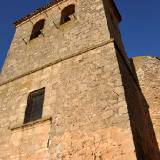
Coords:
39,10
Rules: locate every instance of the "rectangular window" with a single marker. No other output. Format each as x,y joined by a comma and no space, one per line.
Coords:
34,107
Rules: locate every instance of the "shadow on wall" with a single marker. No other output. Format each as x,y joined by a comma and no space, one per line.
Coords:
146,145
145,141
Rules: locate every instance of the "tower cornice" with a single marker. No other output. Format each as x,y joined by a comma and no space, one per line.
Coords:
37,11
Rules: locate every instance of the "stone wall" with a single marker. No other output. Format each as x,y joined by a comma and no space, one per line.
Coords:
148,73
58,41
85,98
140,118
30,141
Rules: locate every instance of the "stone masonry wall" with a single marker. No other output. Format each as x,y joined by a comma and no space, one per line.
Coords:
85,98
56,43
148,73
140,118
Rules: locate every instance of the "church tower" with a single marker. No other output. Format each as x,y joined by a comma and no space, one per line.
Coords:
68,91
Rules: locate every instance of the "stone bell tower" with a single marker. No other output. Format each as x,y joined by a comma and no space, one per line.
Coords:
67,90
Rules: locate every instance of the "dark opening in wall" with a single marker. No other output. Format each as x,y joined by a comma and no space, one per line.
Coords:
34,106
37,29
67,14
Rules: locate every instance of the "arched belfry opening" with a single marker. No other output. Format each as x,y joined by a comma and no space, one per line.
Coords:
67,14
37,29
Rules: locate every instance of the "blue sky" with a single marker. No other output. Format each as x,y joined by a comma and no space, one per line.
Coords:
140,26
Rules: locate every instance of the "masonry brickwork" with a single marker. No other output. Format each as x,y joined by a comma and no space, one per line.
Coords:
94,108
